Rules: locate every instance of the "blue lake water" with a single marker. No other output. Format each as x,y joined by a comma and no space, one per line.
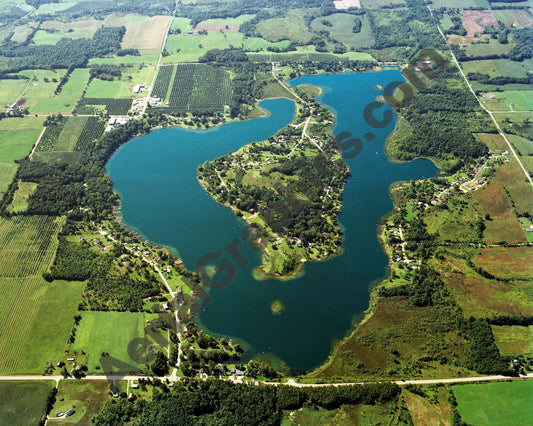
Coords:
161,198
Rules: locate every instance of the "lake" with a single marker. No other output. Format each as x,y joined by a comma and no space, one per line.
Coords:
155,175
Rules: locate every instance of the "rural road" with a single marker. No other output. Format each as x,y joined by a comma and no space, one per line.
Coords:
289,383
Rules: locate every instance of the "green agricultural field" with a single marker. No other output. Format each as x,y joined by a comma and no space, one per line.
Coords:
190,47
46,37
490,48
513,340
254,44
7,174
23,403
27,244
112,332
73,29
16,144
523,145
183,24
222,22
142,32
121,88
505,403
459,4
86,396
376,4
293,28
20,198
42,85
110,105
520,123
10,91
520,100
518,18
77,81
34,310
339,26
499,67
126,60
70,134
53,106
51,8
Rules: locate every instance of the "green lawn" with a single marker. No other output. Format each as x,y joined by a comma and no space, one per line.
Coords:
505,403
522,100
16,144
10,91
77,81
23,403
110,332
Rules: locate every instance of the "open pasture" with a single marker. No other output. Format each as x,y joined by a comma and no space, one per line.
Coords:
53,106
10,91
339,26
293,27
20,198
503,403
499,67
506,262
46,37
512,178
16,144
73,29
112,332
27,244
33,310
182,24
376,4
225,25
523,145
190,47
122,87
256,44
516,100
513,339
7,174
77,81
481,297
147,59
492,47
493,141
516,18
459,4
23,403
475,21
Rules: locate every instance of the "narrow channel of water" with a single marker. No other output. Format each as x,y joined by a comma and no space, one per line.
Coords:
161,198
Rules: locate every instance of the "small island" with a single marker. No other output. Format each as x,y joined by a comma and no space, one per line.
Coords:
288,190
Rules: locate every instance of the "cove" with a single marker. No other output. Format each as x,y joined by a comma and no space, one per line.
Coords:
161,198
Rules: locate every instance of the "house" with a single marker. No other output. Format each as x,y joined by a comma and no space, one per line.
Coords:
69,412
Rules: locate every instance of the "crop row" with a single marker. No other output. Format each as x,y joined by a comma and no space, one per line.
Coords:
182,85
91,132
112,106
162,81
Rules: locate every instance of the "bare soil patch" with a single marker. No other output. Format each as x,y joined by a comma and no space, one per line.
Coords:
475,21
346,4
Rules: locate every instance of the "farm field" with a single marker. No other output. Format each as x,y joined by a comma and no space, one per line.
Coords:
308,53
142,32
46,37
499,67
258,44
75,29
7,174
506,262
490,48
193,87
42,85
16,144
517,18
123,87
87,396
23,403
494,142
376,4
98,333
339,26
513,340
520,123
20,198
77,81
520,100
459,4
293,28
502,403
436,412
148,59
182,24
112,106
10,91
52,106
190,47
475,21
523,145
34,310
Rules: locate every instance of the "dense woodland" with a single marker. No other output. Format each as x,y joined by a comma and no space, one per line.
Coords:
225,403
